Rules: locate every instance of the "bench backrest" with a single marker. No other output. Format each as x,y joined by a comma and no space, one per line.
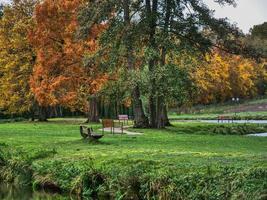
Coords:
123,117
222,117
107,123
84,131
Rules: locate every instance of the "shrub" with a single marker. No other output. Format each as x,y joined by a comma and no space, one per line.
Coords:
238,129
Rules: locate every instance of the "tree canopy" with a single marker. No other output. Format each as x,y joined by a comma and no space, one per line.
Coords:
104,57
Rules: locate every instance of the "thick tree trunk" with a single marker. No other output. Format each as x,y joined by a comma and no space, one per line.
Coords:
33,111
160,112
165,116
93,114
152,111
43,114
140,120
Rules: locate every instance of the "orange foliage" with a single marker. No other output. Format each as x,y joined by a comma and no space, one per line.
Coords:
59,77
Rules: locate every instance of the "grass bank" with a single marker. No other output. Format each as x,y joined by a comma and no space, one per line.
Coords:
186,161
255,109
214,116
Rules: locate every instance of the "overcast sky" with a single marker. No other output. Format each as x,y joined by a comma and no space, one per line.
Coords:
246,14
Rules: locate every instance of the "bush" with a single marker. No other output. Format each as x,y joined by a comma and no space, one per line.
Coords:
239,129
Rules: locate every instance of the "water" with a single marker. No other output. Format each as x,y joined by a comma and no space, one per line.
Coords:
12,192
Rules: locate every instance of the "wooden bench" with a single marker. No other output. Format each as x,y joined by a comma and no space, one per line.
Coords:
123,118
107,123
223,118
110,123
88,133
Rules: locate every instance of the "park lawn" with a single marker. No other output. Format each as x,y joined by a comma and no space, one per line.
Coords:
209,112
260,115
56,153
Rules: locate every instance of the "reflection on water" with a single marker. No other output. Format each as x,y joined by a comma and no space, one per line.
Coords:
12,192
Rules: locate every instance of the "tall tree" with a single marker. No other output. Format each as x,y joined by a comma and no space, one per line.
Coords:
17,57
159,26
59,76
119,42
140,120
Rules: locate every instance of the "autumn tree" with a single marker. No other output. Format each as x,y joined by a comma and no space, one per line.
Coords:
17,57
59,76
224,76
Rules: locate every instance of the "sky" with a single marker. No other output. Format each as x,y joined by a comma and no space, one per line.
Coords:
247,13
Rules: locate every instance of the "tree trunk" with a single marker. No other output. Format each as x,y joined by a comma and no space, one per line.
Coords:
60,111
33,110
161,113
165,116
140,120
152,17
93,114
43,114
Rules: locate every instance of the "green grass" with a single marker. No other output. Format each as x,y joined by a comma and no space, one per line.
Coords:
213,116
186,152
212,111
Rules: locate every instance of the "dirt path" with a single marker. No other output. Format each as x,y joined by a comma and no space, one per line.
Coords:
119,131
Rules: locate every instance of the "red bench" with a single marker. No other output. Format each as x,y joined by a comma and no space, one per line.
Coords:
123,118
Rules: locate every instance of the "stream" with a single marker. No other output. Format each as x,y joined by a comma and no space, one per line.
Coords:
12,192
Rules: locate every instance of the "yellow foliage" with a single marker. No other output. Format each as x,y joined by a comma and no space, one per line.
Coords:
224,76
16,57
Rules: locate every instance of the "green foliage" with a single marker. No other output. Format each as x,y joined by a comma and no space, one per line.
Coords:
1,10
239,129
15,165
257,39
259,31
140,35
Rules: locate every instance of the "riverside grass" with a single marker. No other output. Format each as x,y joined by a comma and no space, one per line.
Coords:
186,161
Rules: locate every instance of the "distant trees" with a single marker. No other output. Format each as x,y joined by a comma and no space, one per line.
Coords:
257,40
224,76
259,31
